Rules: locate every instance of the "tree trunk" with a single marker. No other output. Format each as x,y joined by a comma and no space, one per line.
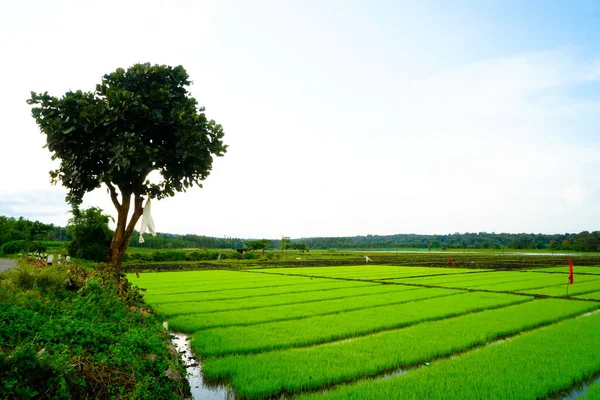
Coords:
124,230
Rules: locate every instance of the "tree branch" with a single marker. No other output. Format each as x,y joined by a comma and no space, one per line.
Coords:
113,195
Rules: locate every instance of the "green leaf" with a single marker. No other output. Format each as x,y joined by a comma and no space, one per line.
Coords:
68,130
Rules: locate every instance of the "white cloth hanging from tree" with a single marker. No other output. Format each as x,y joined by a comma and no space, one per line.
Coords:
147,222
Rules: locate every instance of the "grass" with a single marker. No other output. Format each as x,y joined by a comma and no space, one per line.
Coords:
320,329
529,366
293,370
196,322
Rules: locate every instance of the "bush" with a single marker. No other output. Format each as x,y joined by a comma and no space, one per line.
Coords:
168,255
22,246
87,343
91,235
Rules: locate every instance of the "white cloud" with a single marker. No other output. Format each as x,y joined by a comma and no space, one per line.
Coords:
333,130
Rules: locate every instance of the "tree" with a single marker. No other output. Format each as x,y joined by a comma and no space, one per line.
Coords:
299,246
91,234
258,244
137,121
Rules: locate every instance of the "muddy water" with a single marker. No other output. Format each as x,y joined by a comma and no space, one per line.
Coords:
194,373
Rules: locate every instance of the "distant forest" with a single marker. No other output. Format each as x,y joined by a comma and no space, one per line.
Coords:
584,241
20,229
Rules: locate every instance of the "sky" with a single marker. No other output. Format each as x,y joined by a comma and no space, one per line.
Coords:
342,118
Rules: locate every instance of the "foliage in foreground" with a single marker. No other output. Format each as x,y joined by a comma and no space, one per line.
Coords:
76,334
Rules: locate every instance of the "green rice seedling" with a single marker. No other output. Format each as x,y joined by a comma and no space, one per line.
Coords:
565,270
589,296
320,329
460,279
561,290
313,367
184,276
195,286
196,322
174,309
593,392
544,281
371,270
251,292
528,366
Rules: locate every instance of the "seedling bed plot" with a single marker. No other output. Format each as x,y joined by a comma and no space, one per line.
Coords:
462,279
544,281
594,270
529,366
209,306
196,322
593,392
331,363
320,329
252,292
590,296
191,286
375,271
561,290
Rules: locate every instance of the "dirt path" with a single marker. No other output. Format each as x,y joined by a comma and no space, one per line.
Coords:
7,264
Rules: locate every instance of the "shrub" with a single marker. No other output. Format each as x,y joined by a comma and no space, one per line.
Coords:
14,247
91,345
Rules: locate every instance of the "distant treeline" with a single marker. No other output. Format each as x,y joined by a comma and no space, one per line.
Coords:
584,241
19,234
20,229
171,241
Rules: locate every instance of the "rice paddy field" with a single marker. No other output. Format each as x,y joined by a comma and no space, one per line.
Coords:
388,332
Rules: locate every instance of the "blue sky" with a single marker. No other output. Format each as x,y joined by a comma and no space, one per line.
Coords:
343,117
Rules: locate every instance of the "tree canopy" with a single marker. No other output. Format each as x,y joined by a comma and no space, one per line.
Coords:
138,120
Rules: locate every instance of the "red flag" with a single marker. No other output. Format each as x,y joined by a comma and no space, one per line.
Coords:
451,262
570,272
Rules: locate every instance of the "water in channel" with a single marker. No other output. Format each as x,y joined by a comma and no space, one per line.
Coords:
194,373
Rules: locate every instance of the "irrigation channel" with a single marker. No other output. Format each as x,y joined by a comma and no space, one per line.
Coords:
193,367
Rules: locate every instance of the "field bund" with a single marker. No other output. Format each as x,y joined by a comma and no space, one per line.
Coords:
384,332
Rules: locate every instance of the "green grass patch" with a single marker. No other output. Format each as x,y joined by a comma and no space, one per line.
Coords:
313,330
323,365
528,366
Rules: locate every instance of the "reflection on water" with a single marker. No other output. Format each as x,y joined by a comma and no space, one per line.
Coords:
581,390
194,373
